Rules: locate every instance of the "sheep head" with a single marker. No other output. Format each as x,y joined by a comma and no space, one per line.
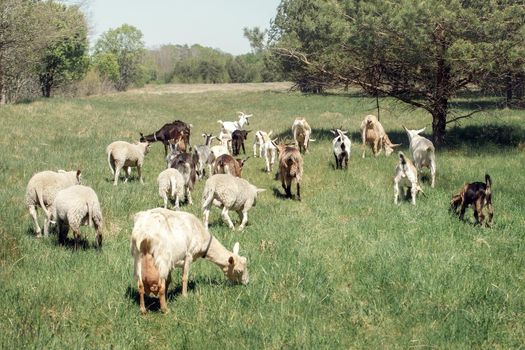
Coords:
237,268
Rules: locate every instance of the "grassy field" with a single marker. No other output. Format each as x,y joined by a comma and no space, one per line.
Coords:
344,268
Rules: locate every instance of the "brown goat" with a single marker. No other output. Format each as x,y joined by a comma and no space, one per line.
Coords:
290,168
477,195
226,164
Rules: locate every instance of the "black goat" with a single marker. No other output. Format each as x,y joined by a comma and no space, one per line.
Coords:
238,137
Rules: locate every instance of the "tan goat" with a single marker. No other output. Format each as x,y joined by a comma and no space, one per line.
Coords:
226,164
290,168
373,134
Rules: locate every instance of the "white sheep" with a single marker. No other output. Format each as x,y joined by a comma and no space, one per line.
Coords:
341,147
229,193
423,152
42,190
76,206
171,185
125,155
164,239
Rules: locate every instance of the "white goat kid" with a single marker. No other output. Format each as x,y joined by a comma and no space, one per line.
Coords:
341,146
230,127
406,176
423,152
266,148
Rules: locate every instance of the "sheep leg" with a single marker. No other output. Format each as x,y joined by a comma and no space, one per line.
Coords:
185,273
165,199
177,200
47,222
76,231
63,228
162,297
99,235
140,286
139,171
244,219
32,212
117,174
226,218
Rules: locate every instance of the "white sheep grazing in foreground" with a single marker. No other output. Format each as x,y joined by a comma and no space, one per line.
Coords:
229,193
406,176
76,206
301,134
123,154
171,185
42,190
163,239
423,152
341,147
266,148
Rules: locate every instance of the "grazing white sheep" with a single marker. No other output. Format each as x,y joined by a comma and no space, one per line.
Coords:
125,155
301,134
229,193
406,176
266,148
42,190
341,147
373,134
171,185
163,239
423,152
76,206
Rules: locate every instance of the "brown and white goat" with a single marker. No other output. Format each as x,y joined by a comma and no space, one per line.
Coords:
478,195
226,164
406,176
290,168
373,134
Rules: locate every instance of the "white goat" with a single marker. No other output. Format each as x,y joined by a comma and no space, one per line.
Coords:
229,193
76,206
230,127
341,146
266,148
125,155
42,190
301,134
406,176
171,185
423,152
163,239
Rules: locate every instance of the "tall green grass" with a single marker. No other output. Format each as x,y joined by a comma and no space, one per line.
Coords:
343,268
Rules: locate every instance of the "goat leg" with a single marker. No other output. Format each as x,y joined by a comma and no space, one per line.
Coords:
185,273
298,192
141,297
162,297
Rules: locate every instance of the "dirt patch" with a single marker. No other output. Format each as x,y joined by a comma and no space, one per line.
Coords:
200,88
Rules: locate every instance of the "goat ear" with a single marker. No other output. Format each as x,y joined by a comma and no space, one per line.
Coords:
394,145
404,127
141,134
421,130
271,131
333,131
204,135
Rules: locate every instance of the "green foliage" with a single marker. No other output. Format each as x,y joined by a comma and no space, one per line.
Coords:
107,66
125,43
343,269
421,53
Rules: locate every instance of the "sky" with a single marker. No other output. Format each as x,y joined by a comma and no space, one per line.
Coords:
213,23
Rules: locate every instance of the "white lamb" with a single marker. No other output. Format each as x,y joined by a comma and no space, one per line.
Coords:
171,185
125,155
301,134
266,148
76,206
163,239
42,190
423,152
229,193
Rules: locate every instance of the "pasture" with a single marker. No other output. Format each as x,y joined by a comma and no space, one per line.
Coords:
343,268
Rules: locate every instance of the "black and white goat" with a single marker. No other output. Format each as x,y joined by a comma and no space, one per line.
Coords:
341,146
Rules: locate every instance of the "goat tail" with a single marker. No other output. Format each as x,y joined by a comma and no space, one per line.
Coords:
403,161
488,183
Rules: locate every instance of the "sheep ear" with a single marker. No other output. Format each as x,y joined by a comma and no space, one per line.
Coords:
236,248
259,190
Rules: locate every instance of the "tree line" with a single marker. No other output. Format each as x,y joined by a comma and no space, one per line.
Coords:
44,49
